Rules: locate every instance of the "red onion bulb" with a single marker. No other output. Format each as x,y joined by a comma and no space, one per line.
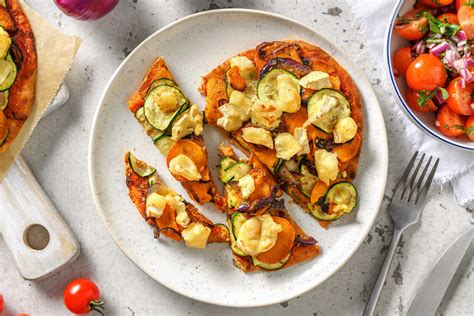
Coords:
86,9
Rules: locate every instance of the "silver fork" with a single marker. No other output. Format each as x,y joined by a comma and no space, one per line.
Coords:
404,209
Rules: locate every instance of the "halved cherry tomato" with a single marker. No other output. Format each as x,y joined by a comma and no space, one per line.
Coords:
470,127
459,3
466,20
449,123
411,97
426,72
1,303
82,296
412,26
450,18
436,3
401,60
460,99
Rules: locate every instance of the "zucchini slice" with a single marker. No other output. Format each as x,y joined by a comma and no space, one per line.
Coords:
152,180
340,199
153,114
150,130
326,116
5,42
233,172
232,197
139,167
162,81
235,222
237,219
4,99
226,162
307,181
278,165
11,76
270,266
164,144
267,86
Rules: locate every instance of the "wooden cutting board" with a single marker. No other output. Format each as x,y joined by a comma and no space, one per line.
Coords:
39,239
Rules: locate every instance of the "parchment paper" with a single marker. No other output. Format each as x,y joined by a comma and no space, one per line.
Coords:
56,53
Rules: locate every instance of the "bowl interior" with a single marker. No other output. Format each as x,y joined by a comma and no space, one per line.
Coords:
424,121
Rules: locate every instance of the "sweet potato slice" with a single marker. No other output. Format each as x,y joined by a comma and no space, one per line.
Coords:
348,150
318,191
6,20
3,127
236,81
297,119
263,185
283,245
192,150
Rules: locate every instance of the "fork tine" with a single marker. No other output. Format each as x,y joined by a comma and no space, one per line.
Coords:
413,178
422,195
420,181
401,184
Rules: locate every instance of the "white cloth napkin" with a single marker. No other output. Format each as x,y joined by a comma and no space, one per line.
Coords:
460,173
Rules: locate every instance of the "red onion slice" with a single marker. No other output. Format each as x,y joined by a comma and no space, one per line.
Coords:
86,9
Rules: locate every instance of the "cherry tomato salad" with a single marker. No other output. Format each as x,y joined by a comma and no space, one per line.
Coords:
438,64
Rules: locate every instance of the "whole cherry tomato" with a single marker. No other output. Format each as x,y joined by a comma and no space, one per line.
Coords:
466,20
411,97
82,296
412,26
426,72
460,99
436,3
1,303
401,61
470,127
449,123
450,18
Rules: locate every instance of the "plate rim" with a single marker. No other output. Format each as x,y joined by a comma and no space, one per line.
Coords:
383,157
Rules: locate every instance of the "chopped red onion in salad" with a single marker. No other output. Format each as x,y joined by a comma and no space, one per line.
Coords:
440,48
419,47
439,97
461,35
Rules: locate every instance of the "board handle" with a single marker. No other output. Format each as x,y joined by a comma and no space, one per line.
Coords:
37,236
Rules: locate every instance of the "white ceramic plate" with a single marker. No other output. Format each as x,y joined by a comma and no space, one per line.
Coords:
193,46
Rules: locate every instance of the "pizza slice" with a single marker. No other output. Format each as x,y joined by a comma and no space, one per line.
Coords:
175,125
165,210
262,233
18,64
298,111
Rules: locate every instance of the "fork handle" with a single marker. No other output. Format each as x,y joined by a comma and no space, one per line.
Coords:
374,296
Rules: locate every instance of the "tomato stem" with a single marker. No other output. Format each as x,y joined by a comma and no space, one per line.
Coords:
95,305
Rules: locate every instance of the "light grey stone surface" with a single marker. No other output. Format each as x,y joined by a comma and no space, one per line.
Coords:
57,154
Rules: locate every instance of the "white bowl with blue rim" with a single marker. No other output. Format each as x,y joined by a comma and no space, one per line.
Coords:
424,121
